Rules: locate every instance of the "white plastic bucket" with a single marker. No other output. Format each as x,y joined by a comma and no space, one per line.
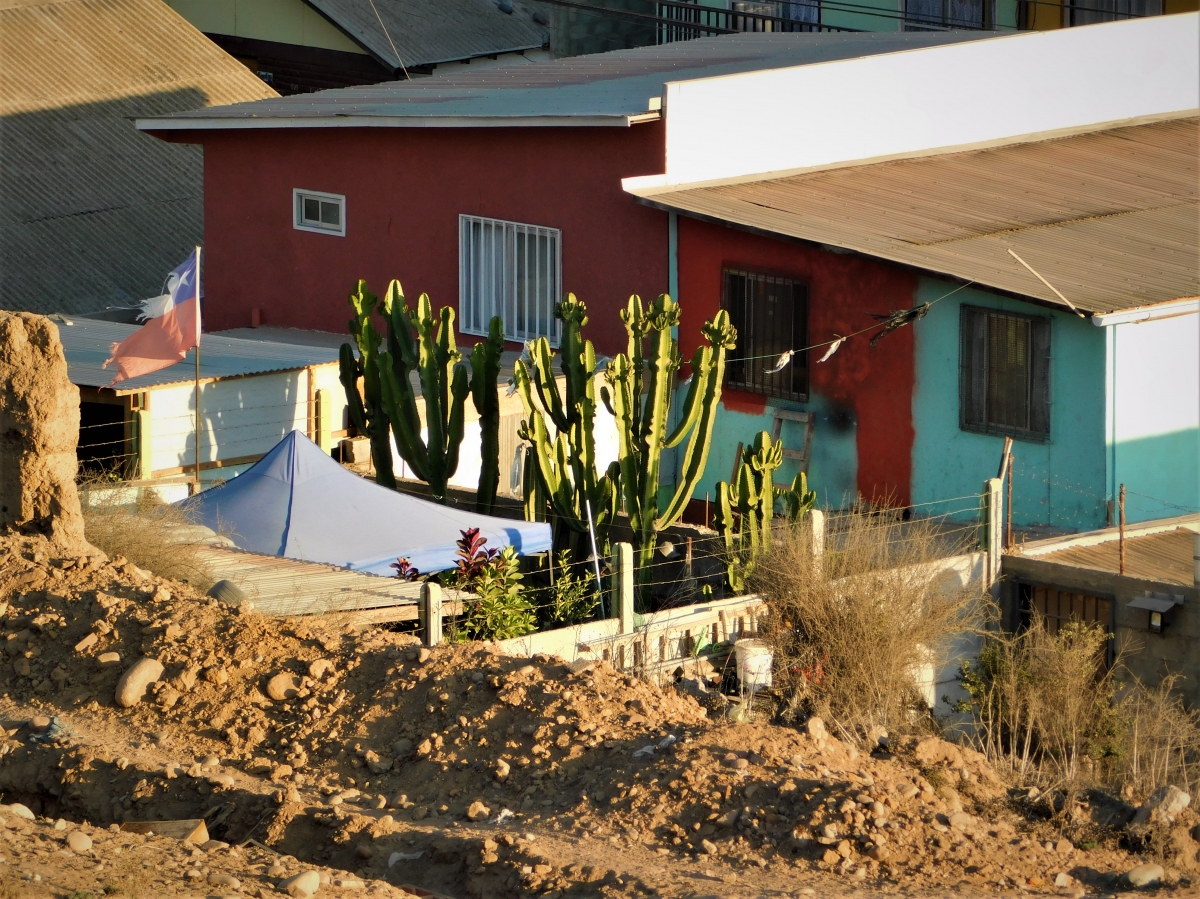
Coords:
754,660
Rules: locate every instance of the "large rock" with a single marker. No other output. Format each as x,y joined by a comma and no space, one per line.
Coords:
1163,805
39,427
1144,876
133,683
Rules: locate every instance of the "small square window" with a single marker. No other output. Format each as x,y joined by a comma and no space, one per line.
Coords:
320,212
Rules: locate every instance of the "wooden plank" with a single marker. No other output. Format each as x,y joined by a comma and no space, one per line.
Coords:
192,830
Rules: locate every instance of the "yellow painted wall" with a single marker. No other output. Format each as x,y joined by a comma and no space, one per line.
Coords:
283,21
1174,6
1044,15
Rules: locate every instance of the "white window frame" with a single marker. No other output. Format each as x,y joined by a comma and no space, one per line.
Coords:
299,195
488,278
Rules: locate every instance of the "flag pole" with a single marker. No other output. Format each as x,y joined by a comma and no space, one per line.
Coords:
196,486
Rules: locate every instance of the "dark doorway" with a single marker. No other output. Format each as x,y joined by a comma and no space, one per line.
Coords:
103,449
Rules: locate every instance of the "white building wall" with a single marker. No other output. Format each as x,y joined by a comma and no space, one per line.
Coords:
240,417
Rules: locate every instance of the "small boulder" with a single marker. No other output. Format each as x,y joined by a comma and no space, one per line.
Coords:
283,686
402,748
108,659
302,885
1144,876
816,728
319,668
78,841
478,811
133,683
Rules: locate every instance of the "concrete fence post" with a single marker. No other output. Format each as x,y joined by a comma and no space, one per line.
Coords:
1196,559
991,536
817,518
431,611
142,422
621,591
322,425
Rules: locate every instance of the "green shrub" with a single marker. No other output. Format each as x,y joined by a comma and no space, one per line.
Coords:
499,610
572,597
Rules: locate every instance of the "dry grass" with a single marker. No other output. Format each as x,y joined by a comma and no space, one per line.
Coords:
857,632
1050,711
1162,739
155,536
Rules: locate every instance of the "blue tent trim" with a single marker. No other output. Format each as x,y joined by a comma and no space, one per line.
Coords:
299,503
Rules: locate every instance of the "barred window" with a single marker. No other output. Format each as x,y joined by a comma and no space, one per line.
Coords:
510,270
1004,374
771,317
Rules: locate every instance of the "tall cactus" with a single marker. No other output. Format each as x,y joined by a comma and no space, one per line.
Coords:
366,408
750,532
640,400
387,385
485,372
566,465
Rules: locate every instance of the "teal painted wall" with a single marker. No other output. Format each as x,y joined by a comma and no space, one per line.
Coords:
1060,483
833,471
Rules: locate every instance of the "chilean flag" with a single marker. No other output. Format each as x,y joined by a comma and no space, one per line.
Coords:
172,327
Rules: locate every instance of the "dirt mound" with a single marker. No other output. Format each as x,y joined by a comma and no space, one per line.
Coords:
465,771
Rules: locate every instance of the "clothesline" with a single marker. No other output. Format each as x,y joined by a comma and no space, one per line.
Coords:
890,323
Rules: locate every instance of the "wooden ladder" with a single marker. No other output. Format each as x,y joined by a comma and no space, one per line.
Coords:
808,420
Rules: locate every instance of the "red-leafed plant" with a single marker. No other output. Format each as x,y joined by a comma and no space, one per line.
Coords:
472,556
405,570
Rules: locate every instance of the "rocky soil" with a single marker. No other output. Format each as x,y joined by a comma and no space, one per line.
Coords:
372,766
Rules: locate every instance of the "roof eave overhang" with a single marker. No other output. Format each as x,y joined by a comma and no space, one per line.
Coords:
373,121
661,186
844,249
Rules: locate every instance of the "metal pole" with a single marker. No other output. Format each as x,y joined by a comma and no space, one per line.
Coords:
1121,538
196,487
587,504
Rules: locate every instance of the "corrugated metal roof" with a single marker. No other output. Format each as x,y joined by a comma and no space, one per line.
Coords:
1165,557
87,343
1110,218
425,32
605,87
92,213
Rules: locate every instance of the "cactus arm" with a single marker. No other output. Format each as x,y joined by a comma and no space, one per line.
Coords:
573,315
691,405
349,372
663,362
408,442
722,337
485,372
459,389
547,387
403,352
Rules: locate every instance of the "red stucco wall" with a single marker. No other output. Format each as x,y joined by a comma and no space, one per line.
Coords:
875,384
405,188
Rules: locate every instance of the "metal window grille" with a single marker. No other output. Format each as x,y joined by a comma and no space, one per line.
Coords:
942,15
510,270
685,20
1004,373
1090,12
771,317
